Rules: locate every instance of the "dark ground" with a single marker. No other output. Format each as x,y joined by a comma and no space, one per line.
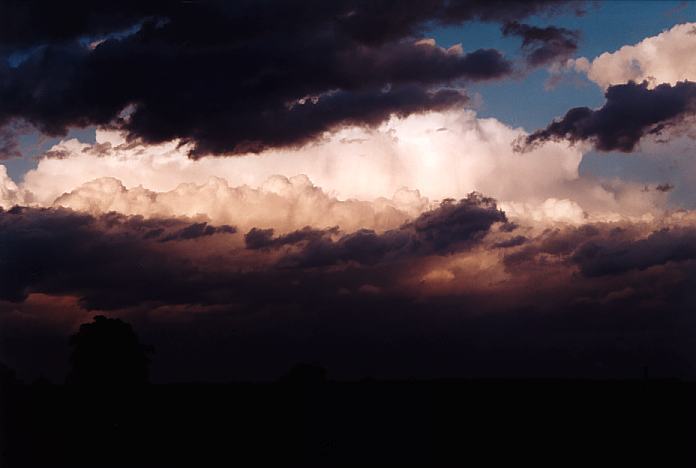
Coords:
436,423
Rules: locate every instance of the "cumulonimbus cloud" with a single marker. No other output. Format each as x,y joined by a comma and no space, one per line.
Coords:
441,154
356,178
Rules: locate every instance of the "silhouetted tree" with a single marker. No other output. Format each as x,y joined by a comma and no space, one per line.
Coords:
107,352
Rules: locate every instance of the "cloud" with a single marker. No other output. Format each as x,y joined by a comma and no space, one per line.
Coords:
194,231
666,187
511,242
31,23
631,112
440,287
361,178
453,226
649,91
279,203
39,22
231,78
442,154
263,238
105,260
362,248
10,194
543,45
111,260
617,256
597,250
665,58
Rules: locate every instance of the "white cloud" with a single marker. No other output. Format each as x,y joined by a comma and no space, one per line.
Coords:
665,58
551,209
442,155
10,194
280,203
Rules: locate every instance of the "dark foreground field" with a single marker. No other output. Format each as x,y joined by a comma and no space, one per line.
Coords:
441,423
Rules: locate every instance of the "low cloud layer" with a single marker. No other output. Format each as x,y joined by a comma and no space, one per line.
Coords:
590,300
453,226
54,251
112,260
617,256
104,260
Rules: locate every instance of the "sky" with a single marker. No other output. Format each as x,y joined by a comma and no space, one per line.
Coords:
392,189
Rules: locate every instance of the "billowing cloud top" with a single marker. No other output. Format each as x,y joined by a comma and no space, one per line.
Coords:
356,178
665,58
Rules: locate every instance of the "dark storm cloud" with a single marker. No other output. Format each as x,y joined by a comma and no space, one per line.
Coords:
110,259
163,229
512,242
9,146
263,238
608,257
603,249
196,230
666,187
557,243
232,77
453,226
456,223
544,45
28,23
114,261
214,310
631,111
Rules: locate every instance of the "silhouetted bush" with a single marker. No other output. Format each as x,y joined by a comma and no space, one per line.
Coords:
107,352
